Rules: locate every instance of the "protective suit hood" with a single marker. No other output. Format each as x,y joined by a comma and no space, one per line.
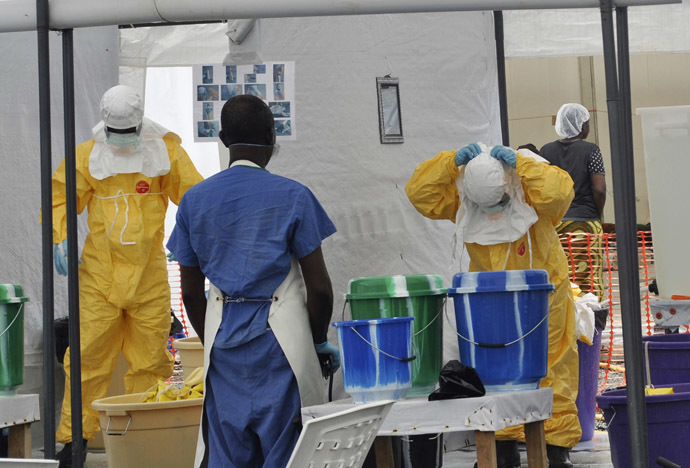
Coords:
150,157
483,182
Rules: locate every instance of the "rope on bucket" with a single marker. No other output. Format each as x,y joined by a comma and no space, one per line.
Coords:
505,345
406,359
13,320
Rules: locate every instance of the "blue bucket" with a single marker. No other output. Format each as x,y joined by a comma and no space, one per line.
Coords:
376,357
502,326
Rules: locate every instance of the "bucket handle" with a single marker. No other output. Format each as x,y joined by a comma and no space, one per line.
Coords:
443,306
647,369
405,359
13,320
107,428
505,345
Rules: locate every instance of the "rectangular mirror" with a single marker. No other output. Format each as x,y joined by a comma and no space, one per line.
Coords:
390,121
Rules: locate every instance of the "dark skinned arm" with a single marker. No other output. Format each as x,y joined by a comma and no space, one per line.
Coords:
599,192
319,294
194,297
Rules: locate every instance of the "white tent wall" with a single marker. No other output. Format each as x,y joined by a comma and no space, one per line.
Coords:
446,64
95,58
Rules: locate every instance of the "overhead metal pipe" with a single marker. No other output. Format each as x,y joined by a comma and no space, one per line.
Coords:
622,168
46,228
501,75
20,15
72,247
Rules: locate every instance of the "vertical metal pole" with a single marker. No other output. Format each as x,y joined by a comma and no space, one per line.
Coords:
72,248
501,71
626,228
42,26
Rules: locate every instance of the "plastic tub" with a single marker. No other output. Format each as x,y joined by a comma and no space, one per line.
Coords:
668,425
142,435
502,326
12,301
668,357
666,138
418,296
376,357
191,353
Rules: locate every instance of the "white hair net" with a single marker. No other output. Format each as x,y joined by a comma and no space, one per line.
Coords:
569,120
122,107
485,180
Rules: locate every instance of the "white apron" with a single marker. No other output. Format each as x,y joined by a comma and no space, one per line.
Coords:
289,321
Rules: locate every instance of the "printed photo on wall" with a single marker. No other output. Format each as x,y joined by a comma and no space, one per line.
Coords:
280,109
208,111
279,72
250,78
278,91
258,90
207,74
208,129
283,128
231,74
228,91
260,68
207,93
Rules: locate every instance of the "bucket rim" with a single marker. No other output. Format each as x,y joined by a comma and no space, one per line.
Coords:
507,288
619,396
189,342
400,294
115,404
367,322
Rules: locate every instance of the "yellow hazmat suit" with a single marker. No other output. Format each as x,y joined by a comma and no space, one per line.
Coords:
549,190
124,295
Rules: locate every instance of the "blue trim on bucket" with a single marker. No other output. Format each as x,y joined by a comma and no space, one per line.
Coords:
354,323
500,281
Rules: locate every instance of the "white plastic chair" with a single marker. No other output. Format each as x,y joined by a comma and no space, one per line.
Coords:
340,440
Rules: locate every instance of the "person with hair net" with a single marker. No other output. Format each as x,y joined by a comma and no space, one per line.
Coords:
126,175
505,206
583,161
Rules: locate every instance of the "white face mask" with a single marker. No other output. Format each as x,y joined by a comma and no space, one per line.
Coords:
123,140
498,207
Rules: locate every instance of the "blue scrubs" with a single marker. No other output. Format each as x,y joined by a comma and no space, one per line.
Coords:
241,227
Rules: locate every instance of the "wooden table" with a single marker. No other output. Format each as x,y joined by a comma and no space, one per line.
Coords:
478,418
17,412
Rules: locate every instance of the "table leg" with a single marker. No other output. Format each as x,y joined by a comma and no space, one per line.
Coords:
19,444
536,445
486,449
384,452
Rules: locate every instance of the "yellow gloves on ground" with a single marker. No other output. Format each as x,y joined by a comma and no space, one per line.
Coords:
193,388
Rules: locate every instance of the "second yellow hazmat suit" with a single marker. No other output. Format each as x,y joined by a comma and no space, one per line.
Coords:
124,295
549,190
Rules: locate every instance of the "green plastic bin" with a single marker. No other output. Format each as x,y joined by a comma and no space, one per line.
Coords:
12,301
418,296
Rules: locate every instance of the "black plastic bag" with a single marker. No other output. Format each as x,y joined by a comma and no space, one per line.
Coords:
458,381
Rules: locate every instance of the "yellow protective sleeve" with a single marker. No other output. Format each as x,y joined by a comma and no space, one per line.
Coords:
432,189
548,189
183,175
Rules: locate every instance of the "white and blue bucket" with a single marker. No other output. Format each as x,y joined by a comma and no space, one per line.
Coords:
376,358
503,327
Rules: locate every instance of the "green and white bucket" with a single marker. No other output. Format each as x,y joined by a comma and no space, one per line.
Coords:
418,296
12,301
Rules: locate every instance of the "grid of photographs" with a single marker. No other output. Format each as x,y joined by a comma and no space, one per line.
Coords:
273,82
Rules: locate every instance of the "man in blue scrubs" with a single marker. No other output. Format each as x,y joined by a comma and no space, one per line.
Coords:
257,238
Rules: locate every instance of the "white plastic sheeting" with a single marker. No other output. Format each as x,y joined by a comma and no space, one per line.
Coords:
558,33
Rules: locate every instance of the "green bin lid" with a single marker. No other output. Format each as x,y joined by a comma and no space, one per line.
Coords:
376,287
12,293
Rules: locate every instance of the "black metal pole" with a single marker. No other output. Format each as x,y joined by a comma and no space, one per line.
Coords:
72,247
626,229
501,71
42,27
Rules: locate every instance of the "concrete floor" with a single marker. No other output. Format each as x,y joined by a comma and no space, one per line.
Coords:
592,454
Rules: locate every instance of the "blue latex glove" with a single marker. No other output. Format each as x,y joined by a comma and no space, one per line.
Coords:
60,258
330,350
505,154
171,257
467,153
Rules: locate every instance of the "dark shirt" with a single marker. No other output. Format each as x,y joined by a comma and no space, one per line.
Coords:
580,159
